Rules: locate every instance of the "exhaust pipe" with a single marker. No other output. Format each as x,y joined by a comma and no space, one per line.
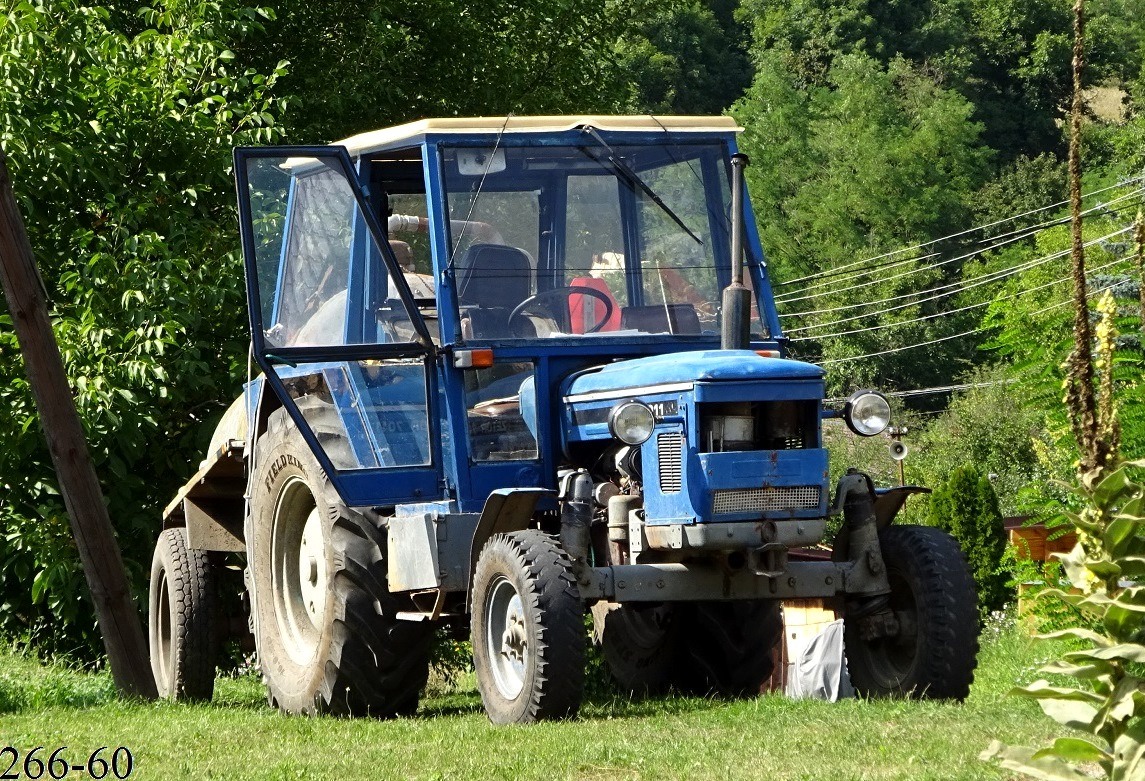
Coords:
735,326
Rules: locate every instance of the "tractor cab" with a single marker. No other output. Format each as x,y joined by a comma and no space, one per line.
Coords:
444,278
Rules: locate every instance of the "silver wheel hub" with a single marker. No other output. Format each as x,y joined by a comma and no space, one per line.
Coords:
299,573
507,638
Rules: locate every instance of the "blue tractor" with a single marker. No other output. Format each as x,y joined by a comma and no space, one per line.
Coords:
514,371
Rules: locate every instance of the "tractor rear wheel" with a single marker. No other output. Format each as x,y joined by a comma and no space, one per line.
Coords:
325,623
640,643
934,652
181,622
726,647
527,630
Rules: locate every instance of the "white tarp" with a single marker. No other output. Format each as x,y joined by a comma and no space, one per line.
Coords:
820,671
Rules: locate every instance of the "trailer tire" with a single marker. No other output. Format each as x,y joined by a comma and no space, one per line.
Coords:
933,596
326,631
640,644
527,630
181,622
726,647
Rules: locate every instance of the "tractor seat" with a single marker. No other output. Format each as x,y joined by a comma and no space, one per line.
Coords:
492,280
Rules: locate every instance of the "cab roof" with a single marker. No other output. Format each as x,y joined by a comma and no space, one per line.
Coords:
375,140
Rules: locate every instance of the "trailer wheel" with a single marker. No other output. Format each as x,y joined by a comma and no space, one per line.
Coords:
726,647
639,643
325,622
527,630
933,599
182,627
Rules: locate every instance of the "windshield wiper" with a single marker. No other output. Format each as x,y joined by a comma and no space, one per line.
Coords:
624,171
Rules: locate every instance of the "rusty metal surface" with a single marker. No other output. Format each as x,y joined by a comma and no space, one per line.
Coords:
693,582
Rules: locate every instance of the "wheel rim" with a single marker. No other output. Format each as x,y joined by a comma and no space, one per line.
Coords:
894,658
901,652
299,576
160,625
506,638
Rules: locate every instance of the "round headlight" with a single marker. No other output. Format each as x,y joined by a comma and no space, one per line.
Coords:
631,422
867,413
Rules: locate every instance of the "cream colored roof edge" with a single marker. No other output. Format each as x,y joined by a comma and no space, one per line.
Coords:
371,141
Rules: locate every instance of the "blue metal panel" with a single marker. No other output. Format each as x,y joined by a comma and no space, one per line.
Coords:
785,390
698,366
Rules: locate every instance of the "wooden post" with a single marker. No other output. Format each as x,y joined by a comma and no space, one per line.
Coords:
99,553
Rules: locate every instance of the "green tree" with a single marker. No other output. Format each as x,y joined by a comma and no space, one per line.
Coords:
988,426
682,56
357,66
967,507
876,159
119,148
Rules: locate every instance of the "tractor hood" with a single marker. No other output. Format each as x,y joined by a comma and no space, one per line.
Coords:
667,371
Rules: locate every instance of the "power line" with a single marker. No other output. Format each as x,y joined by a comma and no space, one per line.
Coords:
1032,229
960,287
930,391
952,336
790,299
946,313
819,274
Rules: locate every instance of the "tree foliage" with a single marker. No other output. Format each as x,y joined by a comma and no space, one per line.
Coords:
119,148
357,66
878,158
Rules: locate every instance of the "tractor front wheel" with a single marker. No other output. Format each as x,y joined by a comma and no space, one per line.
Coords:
931,648
527,630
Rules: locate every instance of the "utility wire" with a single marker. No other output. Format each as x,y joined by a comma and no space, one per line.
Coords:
819,274
959,287
948,312
953,336
930,391
1032,229
921,269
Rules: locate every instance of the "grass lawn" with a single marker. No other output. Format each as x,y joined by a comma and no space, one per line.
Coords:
238,736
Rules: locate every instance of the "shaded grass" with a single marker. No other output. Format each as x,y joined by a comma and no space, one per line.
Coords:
237,736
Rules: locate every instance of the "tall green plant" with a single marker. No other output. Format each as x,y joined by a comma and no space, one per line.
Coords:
967,507
1106,568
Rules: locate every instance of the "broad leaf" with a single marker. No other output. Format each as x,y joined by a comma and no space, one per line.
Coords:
1022,761
1075,750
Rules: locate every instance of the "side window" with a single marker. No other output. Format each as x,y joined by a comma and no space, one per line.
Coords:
319,284
311,304
501,409
408,229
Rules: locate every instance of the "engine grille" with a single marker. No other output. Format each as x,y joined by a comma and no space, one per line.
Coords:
670,452
762,500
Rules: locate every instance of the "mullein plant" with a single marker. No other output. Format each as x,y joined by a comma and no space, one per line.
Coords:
1106,569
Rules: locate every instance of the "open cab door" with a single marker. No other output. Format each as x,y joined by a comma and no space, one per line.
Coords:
334,325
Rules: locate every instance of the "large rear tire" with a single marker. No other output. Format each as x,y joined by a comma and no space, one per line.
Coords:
182,622
640,644
527,630
324,620
726,647
933,599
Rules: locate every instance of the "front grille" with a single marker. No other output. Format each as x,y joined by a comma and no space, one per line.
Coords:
670,452
763,500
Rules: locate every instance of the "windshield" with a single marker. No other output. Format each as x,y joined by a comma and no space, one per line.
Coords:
589,240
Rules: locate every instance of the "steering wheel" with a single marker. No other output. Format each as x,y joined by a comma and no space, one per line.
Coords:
564,293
